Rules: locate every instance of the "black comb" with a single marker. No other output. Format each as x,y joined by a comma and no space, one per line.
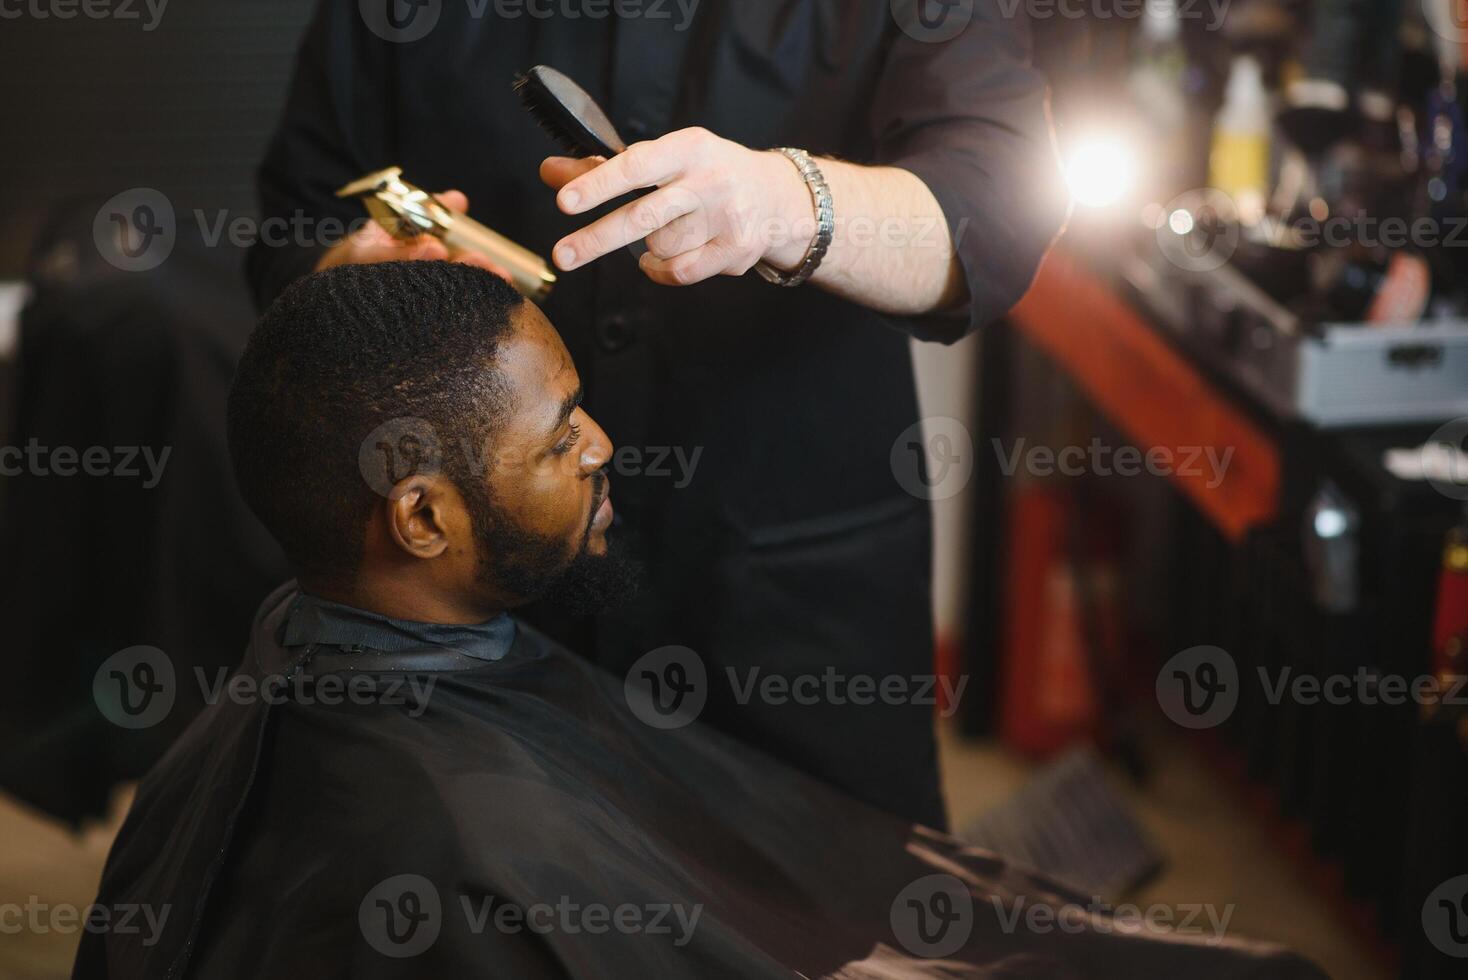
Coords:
568,114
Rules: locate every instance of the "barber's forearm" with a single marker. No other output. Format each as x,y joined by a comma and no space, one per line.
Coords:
891,251
714,207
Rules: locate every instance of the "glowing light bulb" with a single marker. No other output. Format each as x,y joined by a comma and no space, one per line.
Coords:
1330,522
1100,170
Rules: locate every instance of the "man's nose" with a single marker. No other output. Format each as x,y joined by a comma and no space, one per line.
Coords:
598,451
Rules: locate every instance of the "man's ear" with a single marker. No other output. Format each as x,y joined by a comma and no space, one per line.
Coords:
416,515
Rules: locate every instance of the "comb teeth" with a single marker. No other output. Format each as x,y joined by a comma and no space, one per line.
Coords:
544,111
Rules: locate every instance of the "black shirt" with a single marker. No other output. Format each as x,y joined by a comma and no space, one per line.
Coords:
793,549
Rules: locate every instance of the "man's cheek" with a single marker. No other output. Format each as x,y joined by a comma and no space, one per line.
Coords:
508,464
558,508
552,466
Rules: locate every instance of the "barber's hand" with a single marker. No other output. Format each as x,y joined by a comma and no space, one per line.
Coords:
719,207
371,243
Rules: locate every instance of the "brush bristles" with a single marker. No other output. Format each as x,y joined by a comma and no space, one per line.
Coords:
544,113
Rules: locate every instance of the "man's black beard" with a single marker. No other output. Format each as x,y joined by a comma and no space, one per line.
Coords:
591,583
536,568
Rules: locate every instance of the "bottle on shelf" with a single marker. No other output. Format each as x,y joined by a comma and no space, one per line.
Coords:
1239,162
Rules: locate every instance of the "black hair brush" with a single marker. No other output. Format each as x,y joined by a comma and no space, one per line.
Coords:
568,114
572,118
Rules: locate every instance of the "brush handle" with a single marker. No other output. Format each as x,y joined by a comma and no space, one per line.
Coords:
528,271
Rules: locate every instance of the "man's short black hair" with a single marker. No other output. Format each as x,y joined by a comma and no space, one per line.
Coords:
342,353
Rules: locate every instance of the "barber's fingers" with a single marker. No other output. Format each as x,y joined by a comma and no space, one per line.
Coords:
684,234
454,200
711,260
629,223
557,172
374,240
484,262
640,165
370,244
422,247
459,201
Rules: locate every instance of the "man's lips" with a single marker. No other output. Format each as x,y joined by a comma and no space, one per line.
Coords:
602,519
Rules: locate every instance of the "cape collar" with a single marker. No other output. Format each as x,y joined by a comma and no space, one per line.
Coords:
316,622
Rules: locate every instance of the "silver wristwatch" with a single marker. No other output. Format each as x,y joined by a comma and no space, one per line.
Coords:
820,193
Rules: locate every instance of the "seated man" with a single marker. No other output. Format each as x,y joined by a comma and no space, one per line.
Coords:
401,780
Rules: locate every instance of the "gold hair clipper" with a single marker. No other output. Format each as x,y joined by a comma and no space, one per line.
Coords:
405,212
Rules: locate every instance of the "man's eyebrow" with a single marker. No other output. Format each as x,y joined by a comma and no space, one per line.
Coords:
567,407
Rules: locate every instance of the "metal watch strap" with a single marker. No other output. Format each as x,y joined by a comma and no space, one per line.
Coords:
820,193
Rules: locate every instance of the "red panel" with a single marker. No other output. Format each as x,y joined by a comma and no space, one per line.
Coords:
1150,392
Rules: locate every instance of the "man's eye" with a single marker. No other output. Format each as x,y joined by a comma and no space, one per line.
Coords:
564,446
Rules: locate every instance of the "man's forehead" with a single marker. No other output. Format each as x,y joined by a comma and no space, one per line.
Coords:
537,365
534,349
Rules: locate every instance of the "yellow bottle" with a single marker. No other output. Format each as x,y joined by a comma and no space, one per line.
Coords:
1239,162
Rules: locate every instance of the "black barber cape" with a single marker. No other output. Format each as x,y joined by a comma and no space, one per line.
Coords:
765,463
517,818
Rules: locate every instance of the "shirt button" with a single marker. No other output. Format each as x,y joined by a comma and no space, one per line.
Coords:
636,129
615,332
